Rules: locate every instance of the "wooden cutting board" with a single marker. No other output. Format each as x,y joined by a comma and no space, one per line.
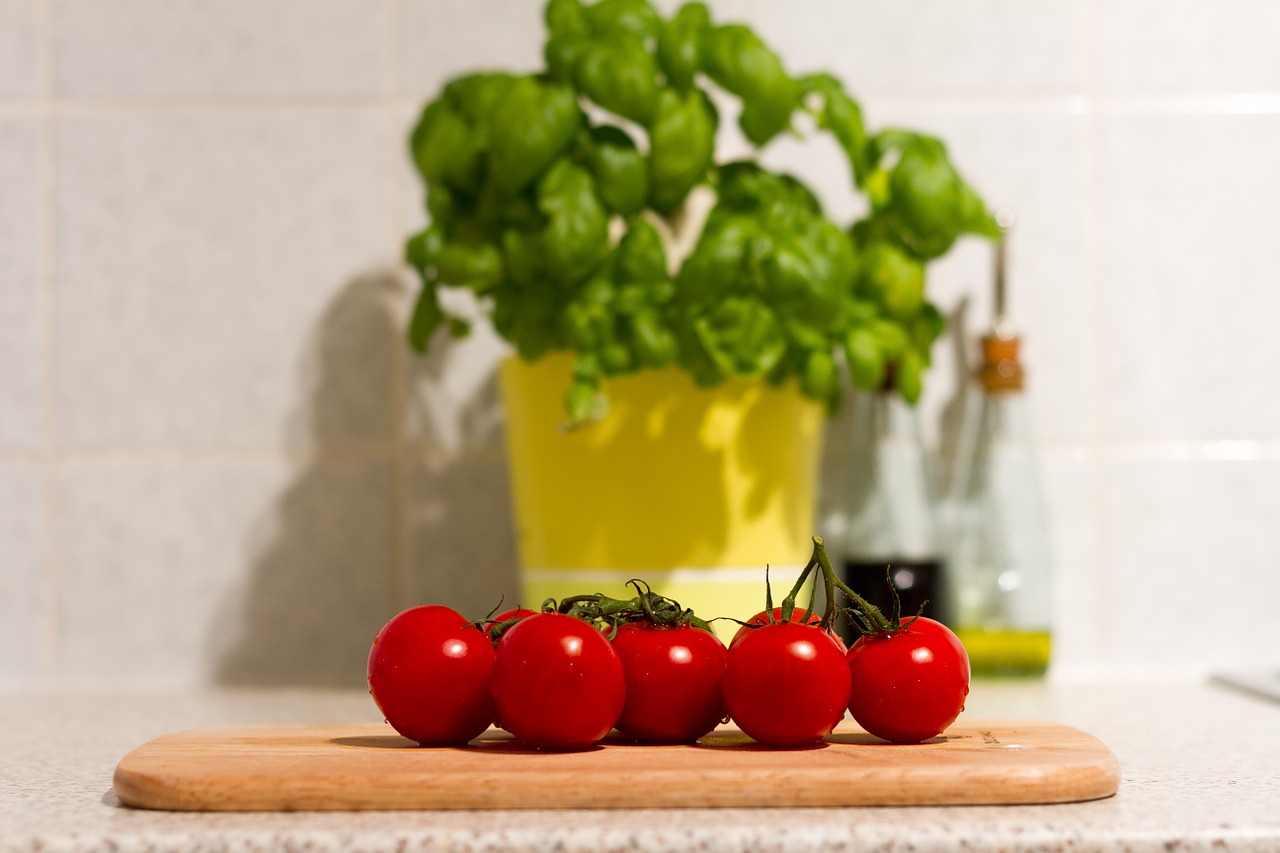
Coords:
369,767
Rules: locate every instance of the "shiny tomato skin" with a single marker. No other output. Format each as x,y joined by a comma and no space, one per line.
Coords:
909,685
557,682
762,618
674,682
786,684
429,673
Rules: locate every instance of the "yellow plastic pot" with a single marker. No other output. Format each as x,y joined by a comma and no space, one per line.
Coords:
693,490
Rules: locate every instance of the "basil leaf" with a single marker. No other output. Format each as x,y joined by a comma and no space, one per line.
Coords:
891,278
532,124
636,18
866,364
680,45
619,75
735,58
620,170
908,376
742,337
475,265
841,115
565,17
475,95
641,255
576,238
422,249
654,345
445,148
682,145
819,378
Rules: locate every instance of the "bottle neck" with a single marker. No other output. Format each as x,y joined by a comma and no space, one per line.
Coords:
1001,370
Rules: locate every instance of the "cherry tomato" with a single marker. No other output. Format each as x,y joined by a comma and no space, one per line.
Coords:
762,618
557,682
674,677
786,684
908,685
429,673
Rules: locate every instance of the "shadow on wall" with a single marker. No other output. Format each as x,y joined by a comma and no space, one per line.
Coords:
460,533
327,564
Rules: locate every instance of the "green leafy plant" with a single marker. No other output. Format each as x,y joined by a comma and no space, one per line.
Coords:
549,195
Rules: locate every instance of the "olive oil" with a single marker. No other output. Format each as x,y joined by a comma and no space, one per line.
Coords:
1006,652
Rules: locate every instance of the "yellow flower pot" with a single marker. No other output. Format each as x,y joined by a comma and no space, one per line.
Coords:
693,490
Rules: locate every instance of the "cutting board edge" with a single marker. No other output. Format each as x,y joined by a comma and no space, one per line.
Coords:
149,788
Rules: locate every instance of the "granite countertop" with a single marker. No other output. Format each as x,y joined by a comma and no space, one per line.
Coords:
1200,769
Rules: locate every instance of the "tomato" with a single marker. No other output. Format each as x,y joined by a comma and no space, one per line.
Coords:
786,684
910,684
429,674
673,680
762,618
557,682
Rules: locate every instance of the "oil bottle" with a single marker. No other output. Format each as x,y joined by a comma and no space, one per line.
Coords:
998,532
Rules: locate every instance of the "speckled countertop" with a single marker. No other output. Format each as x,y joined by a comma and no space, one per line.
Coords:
1200,770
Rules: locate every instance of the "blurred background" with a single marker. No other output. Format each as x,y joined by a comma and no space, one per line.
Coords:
220,464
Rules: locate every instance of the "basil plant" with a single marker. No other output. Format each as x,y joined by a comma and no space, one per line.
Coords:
549,194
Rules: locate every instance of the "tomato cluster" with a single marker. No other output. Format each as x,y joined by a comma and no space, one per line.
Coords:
566,677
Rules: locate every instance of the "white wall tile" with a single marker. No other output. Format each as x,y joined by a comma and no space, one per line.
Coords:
1191,580
19,48
235,570
219,278
1071,501
442,39
174,48
1188,46
22,572
461,532
928,46
874,46
22,350
1032,160
1189,260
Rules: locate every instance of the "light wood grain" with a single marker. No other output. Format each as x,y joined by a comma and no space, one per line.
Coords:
368,767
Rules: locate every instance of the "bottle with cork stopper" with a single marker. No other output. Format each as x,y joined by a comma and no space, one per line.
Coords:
998,531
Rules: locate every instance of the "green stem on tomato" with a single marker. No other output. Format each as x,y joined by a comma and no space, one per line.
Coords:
871,615
789,603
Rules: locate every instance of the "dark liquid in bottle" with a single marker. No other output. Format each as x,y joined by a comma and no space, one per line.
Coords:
917,582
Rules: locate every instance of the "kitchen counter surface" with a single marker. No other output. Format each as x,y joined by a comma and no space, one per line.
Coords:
1200,769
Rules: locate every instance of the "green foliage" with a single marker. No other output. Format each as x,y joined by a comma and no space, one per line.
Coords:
546,210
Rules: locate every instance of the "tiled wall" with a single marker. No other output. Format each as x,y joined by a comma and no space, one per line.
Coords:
219,464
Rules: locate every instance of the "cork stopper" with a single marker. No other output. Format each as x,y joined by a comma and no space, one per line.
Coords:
1001,371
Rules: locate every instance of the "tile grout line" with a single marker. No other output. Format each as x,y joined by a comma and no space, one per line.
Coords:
1228,102
50,633
1093,232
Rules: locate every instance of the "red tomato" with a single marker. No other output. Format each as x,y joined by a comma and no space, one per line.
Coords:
762,618
786,684
558,682
908,685
673,679
429,673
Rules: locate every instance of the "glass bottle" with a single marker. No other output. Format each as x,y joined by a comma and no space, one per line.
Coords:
998,536
889,510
